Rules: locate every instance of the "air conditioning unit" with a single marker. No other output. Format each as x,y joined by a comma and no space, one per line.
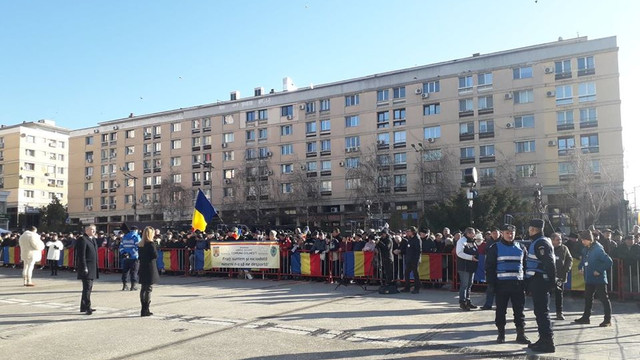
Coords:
303,167
52,145
418,91
552,143
46,174
509,125
95,131
335,210
88,177
431,140
227,181
89,207
341,163
90,160
116,185
548,70
551,93
302,107
224,145
425,95
269,154
112,206
123,168
115,127
289,117
508,96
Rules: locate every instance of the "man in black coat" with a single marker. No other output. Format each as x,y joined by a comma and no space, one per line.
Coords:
87,264
385,248
411,260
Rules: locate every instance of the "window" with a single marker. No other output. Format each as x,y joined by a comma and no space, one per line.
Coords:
384,181
487,150
351,184
310,107
88,140
399,117
564,95
286,130
565,145
128,150
195,141
383,119
351,162
485,127
30,152
227,192
130,134
157,130
594,166
564,118
251,154
229,174
176,144
30,180
227,137
523,72
263,114
311,127
400,180
485,81
287,188
432,155
312,166
129,166
466,128
383,139
431,87
399,92
251,135
527,170
286,149
32,139
524,121
525,146
228,155
174,127
465,105
586,66
399,138
465,83
286,168
176,161
251,116
431,109
325,125
400,158
262,134
586,92
325,186
523,96
264,152
29,193
383,159
566,168
286,110
352,121
432,132
383,95
485,103
589,143
588,117
352,142
325,165
29,166
351,100
88,171
325,145
467,153
206,140
563,69
325,105
312,147
227,119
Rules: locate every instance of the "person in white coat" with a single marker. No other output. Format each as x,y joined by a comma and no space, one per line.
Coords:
54,246
31,252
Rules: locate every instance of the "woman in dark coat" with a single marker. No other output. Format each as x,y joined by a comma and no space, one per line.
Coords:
148,272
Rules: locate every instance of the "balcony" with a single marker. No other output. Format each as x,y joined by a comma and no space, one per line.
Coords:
402,188
563,75
591,149
312,154
467,136
566,126
486,159
399,145
584,72
485,111
399,166
590,123
325,173
486,134
465,113
469,160
312,174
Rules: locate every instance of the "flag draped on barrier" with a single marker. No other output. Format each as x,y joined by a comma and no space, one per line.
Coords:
430,267
306,264
203,260
358,263
11,255
168,260
66,258
575,280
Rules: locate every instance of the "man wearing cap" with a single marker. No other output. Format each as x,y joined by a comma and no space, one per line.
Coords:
594,265
564,261
428,245
129,252
607,243
494,238
505,264
411,260
541,275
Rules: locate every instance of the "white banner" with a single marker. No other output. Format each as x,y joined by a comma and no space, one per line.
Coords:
245,255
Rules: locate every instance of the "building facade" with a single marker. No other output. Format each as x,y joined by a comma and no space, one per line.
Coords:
366,148
33,169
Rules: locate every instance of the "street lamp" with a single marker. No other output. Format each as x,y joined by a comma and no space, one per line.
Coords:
128,175
367,203
471,178
420,149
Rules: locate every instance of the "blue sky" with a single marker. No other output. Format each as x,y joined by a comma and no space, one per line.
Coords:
83,62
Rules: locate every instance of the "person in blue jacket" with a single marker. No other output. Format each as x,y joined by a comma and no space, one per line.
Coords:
129,252
593,266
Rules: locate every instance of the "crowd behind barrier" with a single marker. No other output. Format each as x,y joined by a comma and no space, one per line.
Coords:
350,259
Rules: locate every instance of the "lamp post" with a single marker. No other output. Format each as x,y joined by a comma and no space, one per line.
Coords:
135,195
471,178
367,204
420,149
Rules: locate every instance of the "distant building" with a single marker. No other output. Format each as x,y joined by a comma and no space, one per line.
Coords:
400,139
33,169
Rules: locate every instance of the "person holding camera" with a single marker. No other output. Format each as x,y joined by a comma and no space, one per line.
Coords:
86,251
54,246
129,252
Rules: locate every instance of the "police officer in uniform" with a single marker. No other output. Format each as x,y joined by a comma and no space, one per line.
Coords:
541,276
505,264
129,252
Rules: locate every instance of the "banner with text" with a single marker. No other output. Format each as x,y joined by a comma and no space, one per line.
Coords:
245,255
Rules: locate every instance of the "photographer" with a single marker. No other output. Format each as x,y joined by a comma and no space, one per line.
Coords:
53,253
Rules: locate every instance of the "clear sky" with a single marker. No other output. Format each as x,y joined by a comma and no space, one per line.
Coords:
84,62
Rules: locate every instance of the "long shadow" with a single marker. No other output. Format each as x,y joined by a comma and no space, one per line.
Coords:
81,317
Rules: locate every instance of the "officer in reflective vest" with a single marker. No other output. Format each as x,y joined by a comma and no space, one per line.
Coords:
505,264
541,276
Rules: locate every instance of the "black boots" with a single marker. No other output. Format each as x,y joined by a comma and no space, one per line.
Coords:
582,320
543,345
470,305
124,286
463,306
145,300
133,286
559,316
606,322
522,338
500,339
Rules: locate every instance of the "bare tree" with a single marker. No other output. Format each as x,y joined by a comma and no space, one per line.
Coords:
173,201
305,193
438,175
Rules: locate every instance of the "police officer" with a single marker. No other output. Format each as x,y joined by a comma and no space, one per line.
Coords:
505,264
541,275
129,252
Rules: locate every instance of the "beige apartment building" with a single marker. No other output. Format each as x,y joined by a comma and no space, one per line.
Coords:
366,148
33,169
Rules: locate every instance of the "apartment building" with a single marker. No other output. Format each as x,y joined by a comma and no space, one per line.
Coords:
33,169
363,148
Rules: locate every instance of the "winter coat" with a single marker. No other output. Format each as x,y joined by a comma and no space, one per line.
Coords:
54,248
30,246
86,252
595,258
148,271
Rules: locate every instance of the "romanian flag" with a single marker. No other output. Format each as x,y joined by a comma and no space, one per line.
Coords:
430,268
203,213
67,257
168,260
575,280
102,257
11,255
358,263
5,254
306,264
203,260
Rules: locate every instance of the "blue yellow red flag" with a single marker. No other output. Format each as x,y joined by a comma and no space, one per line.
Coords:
203,213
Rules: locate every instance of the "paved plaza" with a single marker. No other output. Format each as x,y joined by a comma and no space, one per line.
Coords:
222,318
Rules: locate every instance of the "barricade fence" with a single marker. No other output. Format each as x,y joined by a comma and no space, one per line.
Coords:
435,268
